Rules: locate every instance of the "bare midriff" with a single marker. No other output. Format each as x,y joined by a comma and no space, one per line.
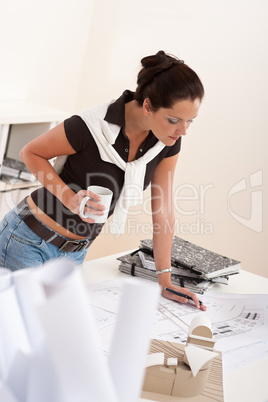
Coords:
46,220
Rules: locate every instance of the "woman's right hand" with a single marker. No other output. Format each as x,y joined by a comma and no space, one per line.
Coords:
92,206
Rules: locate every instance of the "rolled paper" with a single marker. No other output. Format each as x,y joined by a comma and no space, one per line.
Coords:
30,294
43,384
13,334
6,395
5,278
131,337
72,337
57,274
18,377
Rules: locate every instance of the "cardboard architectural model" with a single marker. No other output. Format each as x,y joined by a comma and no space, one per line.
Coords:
187,375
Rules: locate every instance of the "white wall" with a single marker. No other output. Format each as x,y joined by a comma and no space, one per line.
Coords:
225,42
42,46
75,54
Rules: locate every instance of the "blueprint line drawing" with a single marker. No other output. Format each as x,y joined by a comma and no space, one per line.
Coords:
239,322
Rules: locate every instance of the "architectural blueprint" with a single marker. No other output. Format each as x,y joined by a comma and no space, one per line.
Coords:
239,322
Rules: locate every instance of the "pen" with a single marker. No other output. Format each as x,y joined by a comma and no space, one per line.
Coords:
181,295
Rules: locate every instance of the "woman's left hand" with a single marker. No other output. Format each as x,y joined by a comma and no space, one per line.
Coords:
172,296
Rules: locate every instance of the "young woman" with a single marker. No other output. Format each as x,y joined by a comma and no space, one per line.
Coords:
135,138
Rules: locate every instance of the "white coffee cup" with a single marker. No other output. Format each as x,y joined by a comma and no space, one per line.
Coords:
106,197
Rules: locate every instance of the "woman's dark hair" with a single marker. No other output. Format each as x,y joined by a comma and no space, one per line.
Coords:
165,79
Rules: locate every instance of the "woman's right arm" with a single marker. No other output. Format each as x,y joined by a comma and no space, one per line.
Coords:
36,155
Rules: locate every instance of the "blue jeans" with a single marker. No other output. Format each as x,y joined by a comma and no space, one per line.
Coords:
20,247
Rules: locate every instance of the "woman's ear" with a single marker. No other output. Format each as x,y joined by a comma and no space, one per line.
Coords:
146,107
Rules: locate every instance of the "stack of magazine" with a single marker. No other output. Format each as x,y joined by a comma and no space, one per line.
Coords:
12,168
193,267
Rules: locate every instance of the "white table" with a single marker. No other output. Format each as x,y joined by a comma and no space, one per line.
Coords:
247,384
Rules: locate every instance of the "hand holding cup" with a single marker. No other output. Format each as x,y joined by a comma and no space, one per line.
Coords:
105,195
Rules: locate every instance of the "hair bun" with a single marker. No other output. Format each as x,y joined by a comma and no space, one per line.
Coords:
164,79
160,61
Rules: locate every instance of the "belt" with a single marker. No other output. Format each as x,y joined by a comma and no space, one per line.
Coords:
64,244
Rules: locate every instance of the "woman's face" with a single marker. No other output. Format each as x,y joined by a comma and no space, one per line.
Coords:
168,125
